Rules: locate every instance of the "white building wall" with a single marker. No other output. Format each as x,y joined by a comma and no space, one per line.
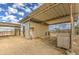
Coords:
39,30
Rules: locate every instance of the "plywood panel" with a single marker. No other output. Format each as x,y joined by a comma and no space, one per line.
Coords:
63,40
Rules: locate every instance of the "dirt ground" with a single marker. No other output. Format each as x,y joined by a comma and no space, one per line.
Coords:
15,45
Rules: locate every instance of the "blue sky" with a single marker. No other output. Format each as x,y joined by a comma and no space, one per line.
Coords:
13,12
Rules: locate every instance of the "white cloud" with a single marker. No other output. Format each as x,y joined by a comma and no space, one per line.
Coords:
14,20
20,4
4,18
21,7
39,4
35,7
15,5
21,13
28,9
1,9
6,13
10,18
12,10
20,18
3,21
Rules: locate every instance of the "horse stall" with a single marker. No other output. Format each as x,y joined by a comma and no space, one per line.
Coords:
7,32
33,30
9,29
61,35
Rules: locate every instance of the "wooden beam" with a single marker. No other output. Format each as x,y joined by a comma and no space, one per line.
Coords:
9,25
59,17
37,21
59,22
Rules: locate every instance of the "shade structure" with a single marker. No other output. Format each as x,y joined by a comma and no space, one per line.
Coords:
56,13
52,13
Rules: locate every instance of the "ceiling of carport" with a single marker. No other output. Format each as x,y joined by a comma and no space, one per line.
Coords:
52,13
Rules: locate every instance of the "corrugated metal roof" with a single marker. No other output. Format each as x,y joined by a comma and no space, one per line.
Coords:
51,13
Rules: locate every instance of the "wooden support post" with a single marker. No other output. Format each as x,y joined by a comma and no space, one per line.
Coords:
15,31
29,30
19,31
23,31
72,28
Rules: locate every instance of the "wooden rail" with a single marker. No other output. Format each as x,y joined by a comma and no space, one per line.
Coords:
7,33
